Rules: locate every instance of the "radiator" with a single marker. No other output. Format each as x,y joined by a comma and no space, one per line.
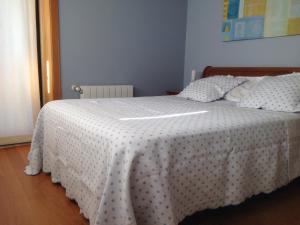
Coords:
105,91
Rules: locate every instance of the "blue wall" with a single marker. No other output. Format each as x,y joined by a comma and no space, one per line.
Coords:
204,44
139,42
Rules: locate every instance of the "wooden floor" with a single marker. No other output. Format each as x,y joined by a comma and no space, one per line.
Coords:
26,200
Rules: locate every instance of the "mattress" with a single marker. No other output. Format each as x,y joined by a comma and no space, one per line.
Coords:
156,160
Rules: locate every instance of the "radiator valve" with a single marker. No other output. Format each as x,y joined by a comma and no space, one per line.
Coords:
77,88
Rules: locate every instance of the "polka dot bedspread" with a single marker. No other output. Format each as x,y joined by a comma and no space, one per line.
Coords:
156,160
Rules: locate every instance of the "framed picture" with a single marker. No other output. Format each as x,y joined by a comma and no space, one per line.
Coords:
252,19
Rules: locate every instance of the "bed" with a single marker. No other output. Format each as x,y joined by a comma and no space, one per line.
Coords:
156,160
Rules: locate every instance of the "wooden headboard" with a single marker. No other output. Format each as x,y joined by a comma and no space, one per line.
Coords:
248,71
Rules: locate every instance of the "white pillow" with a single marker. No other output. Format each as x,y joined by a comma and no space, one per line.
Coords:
280,93
242,90
211,88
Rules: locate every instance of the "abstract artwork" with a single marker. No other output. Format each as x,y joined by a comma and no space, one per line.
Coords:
252,19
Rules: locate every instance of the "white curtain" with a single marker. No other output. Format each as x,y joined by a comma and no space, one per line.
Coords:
19,95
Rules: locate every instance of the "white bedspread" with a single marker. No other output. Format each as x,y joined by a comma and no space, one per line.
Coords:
155,160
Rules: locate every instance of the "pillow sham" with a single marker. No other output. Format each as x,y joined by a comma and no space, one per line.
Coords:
242,90
280,93
211,88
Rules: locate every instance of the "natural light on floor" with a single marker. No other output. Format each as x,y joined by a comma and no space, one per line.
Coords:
164,116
